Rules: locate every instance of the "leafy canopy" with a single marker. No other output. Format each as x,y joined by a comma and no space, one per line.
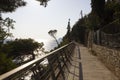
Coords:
21,47
43,2
53,34
5,26
11,5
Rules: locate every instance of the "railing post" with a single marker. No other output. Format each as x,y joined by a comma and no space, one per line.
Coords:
60,67
64,59
51,68
69,55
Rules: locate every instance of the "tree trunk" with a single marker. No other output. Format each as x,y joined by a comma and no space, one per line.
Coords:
56,40
33,55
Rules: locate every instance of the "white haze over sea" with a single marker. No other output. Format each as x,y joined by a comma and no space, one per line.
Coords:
49,44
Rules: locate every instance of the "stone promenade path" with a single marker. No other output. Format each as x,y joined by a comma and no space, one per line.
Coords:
85,66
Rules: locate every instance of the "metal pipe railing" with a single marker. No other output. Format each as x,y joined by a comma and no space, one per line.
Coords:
53,70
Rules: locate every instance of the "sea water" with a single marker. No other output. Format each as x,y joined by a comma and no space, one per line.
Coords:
49,44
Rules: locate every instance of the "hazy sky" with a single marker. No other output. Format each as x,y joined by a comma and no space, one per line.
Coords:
34,21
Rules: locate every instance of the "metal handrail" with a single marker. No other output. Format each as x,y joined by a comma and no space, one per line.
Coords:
58,58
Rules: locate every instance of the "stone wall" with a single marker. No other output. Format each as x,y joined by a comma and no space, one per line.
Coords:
110,57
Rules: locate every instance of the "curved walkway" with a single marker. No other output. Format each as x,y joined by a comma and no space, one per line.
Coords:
85,66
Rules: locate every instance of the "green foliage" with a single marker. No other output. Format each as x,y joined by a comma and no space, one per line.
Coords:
43,2
5,48
98,7
67,36
116,14
64,42
17,49
6,63
5,26
78,33
20,47
92,22
107,11
53,34
10,5
111,11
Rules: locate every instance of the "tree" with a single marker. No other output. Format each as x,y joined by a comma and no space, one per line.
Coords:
5,26
78,31
21,47
112,11
10,5
9,24
43,2
92,22
6,63
98,7
68,31
53,33
67,38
